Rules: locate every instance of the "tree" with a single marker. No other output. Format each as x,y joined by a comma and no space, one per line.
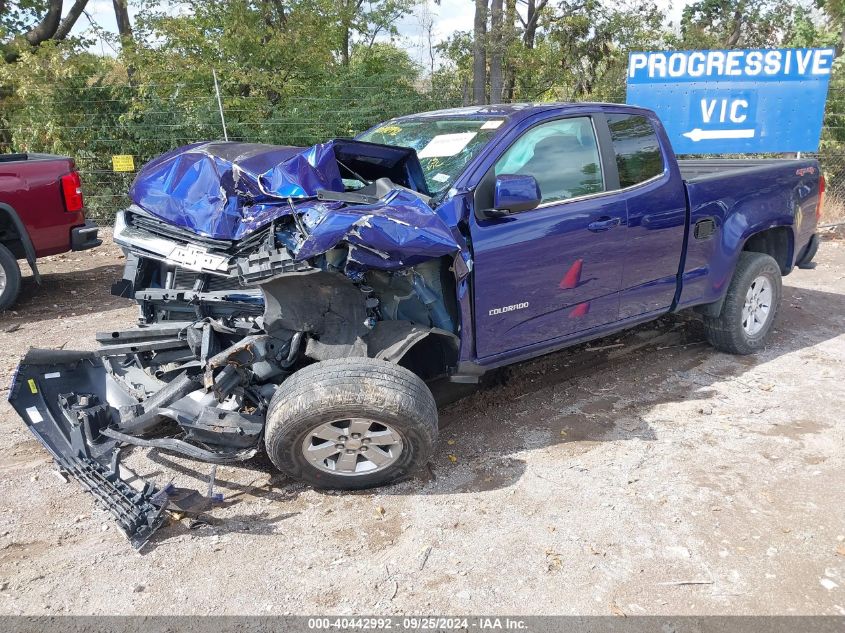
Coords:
532,16
47,27
835,10
121,16
365,21
70,19
479,53
536,49
497,39
33,22
37,21
739,23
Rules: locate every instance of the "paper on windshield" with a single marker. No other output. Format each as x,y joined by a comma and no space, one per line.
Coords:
446,145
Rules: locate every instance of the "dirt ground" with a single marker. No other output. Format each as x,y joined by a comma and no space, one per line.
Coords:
642,474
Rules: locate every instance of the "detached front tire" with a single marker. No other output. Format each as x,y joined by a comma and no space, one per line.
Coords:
351,423
10,278
751,306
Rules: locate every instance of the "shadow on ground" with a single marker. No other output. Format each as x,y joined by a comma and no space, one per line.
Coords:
66,293
619,380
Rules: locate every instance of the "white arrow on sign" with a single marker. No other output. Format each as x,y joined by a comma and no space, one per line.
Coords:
700,135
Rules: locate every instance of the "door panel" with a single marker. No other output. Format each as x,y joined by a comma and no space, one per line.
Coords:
652,249
657,205
543,274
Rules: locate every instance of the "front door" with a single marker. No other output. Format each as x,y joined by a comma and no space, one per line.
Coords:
554,271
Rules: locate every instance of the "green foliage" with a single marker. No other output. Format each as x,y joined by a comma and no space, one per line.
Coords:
741,23
282,76
20,16
301,71
580,50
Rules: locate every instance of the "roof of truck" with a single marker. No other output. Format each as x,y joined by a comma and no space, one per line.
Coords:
510,110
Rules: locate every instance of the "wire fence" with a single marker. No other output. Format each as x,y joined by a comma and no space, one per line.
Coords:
831,154
93,123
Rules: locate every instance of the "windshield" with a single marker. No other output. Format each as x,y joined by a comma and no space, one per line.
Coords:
444,146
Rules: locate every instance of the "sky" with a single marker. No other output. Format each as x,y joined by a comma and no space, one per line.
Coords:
450,16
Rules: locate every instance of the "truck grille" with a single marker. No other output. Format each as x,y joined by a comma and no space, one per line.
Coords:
142,221
168,231
185,279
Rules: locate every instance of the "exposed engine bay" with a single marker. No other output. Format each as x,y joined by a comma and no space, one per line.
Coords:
247,263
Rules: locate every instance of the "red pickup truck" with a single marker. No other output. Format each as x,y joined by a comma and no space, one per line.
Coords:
41,213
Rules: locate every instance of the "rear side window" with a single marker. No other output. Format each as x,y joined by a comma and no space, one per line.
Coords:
638,155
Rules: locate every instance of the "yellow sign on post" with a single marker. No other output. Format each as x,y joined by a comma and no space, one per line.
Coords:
123,162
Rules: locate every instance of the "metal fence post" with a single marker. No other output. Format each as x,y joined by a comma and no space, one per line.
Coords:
220,104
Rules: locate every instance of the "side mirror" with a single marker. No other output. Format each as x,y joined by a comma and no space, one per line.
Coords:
515,193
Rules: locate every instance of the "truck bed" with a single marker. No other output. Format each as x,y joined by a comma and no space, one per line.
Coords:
31,192
14,158
732,199
693,170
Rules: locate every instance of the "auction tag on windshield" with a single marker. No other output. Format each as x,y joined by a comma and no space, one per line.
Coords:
123,162
446,145
492,124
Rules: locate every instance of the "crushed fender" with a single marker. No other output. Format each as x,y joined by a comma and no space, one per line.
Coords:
247,262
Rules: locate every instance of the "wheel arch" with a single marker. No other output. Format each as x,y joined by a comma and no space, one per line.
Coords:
774,239
777,241
426,351
15,237
431,356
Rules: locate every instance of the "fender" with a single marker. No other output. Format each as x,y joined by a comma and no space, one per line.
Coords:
715,308
733,247
28,248
711,261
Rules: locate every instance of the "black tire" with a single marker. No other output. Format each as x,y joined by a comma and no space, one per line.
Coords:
337,390
12,272
726,332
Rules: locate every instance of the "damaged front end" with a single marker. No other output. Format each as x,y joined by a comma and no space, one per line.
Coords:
247,263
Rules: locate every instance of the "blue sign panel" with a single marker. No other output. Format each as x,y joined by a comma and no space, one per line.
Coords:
736,101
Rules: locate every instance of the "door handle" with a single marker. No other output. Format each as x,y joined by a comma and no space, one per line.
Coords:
603,224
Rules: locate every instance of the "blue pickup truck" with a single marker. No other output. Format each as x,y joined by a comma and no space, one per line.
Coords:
298,301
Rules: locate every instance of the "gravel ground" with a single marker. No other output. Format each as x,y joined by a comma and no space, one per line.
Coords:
642,474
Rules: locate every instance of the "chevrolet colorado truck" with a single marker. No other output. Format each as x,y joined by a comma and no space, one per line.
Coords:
41,213
297,301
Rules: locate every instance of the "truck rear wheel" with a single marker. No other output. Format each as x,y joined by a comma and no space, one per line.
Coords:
10,278
351,423
750,307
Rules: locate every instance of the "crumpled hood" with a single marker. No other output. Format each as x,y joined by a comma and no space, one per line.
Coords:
226,190
399,230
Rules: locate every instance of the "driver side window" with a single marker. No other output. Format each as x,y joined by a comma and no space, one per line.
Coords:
562,155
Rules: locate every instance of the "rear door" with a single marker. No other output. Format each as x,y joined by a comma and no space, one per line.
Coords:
653,190
556,270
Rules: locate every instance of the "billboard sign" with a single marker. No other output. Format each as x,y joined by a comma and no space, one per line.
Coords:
735,101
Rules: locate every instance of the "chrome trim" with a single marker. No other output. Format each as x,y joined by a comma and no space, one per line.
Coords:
188,256
601,193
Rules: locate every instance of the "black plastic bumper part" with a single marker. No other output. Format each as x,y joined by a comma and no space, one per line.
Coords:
84,237
62,397
806,259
